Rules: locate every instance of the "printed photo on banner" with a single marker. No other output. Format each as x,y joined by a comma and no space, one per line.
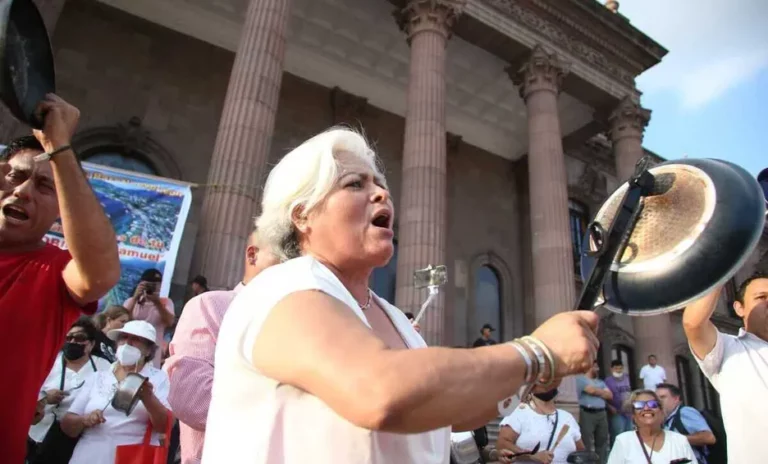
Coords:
148,214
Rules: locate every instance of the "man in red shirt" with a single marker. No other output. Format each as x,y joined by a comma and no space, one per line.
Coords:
44,289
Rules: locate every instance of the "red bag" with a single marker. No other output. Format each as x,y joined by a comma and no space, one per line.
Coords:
145,453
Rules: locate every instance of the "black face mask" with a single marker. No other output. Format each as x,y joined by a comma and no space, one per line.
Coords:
547,395
73,351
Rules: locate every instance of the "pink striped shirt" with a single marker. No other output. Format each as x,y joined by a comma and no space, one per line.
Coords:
190,367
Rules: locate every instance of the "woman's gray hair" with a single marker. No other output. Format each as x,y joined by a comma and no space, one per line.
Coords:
301,181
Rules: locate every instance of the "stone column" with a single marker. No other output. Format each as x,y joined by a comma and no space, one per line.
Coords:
10,127
422,220
653,334
539,80
239,162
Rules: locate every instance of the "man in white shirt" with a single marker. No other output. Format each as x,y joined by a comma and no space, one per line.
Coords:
652,374
736,366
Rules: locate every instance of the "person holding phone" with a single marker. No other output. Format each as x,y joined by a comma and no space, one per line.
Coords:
146,304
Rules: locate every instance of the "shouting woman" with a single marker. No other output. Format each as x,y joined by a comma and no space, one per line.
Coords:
312,366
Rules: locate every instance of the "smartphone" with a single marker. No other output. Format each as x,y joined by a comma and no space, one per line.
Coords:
150,288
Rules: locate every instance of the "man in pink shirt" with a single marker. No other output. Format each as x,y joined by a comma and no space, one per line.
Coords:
190,366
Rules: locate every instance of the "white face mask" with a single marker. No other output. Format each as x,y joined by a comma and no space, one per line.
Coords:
617,375
128,355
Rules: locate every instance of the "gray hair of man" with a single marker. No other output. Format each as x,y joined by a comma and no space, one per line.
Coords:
301,182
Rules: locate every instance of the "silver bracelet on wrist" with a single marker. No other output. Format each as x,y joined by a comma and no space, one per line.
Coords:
530,372
545,358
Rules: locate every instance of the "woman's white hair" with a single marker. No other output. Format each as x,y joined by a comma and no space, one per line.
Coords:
301,181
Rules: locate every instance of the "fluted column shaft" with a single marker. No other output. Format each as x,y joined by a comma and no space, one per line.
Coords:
422,220
553,280
653,334
239,162
539,81
10,127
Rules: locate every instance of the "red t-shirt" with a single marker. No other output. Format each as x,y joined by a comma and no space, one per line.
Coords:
36,311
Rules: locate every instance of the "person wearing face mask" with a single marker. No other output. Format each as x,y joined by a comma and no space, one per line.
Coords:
536,426
70,370
102,428
619,384
650,443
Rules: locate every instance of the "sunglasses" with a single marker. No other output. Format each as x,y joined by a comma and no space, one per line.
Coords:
77,338
650,404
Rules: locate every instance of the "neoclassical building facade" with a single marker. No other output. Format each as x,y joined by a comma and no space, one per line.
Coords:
502,124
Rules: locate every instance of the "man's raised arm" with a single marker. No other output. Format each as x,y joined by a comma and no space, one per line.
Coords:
700,331
95,265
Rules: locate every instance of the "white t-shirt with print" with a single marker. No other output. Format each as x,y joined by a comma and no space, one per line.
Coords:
626,450
534,428
98,444
738,369
255,420
652,376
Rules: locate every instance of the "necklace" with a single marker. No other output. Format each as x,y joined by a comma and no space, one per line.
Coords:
367,304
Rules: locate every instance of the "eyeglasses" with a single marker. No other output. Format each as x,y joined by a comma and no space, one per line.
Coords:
77,338
650,404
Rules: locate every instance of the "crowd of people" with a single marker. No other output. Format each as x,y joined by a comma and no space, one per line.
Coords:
302,362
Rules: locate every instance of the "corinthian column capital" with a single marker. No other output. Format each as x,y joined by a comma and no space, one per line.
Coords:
429,15
541,71
628,119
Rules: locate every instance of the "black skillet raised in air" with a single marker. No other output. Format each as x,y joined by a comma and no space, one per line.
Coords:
26,60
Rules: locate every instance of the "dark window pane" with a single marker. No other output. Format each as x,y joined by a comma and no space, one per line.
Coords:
383,279
127,163
684,377
487,301
578,221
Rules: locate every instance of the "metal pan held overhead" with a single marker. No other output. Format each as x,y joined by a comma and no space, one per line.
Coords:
26,60
698,226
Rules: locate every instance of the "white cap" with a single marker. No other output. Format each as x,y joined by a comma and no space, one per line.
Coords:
141,329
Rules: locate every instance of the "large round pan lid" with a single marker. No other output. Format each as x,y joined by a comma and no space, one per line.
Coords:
26,61
693,233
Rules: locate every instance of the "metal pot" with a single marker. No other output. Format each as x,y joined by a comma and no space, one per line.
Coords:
583,457
694,231
26,60
127,395
464,449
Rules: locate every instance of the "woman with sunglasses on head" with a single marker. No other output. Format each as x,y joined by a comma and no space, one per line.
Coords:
114,317
649,443
70,370
530,434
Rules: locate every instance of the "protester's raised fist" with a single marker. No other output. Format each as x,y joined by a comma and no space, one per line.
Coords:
60,122
572,339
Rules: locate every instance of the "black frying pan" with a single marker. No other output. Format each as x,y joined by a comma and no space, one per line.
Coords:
26,60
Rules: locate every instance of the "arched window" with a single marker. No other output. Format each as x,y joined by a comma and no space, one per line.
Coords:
626,355
383,279
487,301
578,216
121,161
685,379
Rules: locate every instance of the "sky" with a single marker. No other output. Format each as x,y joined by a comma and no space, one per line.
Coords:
709,94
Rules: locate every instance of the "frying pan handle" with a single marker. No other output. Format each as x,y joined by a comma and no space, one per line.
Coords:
37,120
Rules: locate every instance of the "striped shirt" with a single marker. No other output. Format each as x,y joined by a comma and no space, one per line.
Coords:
190,367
